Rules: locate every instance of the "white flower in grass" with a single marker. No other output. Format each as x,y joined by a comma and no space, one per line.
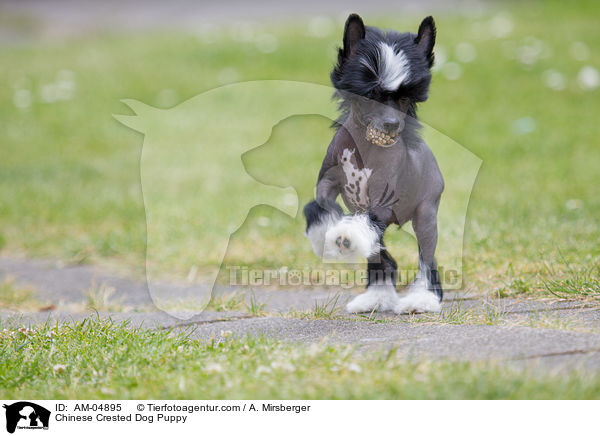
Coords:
226,333
263,221
65,85
554,80
263,370
465,52
314,350
588,78
523,125
26,331
49,93
59,369
354,367
579,51
574,204
501,25
283,366
452,71
213,368
22,98
527,54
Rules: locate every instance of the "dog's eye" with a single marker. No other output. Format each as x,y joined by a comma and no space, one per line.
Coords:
403,102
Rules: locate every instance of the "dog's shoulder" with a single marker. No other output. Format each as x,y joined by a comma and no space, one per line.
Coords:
342,147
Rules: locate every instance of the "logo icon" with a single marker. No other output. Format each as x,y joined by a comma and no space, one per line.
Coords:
26,415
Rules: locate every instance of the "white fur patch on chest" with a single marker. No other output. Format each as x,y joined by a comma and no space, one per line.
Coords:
355,188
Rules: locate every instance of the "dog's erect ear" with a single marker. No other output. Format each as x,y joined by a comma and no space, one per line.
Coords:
354,31
425,38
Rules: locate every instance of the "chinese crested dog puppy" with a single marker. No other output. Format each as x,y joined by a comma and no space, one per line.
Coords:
383,170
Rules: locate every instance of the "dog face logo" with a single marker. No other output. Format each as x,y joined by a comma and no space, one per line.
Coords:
26,415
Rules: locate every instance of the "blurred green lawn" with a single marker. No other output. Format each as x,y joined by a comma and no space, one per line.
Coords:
115,360
69,173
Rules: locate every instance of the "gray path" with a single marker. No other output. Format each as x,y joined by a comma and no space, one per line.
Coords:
470,342
518,332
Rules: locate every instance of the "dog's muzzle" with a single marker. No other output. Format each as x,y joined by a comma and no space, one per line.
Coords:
380,137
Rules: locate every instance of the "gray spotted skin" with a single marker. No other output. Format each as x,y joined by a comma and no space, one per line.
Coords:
405,183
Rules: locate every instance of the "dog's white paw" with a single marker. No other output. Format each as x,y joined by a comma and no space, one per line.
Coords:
350,238
316,233
418,299
377,297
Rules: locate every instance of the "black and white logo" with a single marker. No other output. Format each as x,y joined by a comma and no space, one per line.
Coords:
26,415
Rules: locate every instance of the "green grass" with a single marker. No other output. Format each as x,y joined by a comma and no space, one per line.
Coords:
101,298
564,280
70,174
227,302
325,309
114,361
255,307
577,282
15,297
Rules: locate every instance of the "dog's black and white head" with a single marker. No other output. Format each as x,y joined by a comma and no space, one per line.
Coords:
381,76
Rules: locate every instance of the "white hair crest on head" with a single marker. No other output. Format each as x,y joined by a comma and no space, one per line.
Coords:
393,68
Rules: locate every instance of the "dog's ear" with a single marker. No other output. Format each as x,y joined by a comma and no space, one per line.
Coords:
354,31
425,38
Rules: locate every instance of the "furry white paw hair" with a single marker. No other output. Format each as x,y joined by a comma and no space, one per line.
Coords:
383,297
380,297
345,238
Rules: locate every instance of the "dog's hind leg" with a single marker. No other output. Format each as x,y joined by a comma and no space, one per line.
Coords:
425,293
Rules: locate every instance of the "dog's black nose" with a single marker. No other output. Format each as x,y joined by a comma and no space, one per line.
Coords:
391,124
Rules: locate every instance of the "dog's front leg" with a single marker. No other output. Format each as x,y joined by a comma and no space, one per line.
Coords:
425,293
352,238
382,272
322,214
